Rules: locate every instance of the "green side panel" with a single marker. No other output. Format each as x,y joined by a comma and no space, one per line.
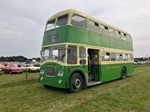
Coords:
113,71
105,73
78,35
112,43
118,44
54,80
130,68
62,32
130,46
94,38
104,40
124,45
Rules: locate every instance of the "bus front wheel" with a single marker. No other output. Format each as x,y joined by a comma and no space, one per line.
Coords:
75,83
123,73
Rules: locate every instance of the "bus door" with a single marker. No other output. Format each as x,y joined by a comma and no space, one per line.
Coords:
93,64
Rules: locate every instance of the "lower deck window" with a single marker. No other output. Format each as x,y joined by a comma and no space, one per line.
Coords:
105,56
72,55
113,56
119,57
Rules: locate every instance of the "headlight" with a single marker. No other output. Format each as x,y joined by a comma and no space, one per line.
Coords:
60,81
60,74
42,72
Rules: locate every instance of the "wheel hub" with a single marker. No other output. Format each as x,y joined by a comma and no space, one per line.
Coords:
77,83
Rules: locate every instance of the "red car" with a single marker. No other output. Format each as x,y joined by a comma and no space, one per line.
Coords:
13,69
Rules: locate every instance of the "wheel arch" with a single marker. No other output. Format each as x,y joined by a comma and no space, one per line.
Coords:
82,75
123,67
29,70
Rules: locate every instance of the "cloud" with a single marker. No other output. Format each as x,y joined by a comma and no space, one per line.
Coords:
22,22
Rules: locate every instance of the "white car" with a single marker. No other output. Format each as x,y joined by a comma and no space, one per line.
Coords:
31,68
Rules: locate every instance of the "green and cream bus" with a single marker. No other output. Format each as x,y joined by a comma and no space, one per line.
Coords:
80,51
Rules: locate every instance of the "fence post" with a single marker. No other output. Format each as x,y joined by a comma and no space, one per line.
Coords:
26,74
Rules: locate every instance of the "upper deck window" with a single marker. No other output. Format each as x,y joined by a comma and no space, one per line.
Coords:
50,25
111,32
123,36
103,29
78,21
129,38
62,20
117,34
93,26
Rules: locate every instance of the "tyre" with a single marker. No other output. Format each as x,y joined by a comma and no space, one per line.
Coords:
123,73
30,70
75,83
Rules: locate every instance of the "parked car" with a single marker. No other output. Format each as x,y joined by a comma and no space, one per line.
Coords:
136,62
2,67
12,69
30,68
0,71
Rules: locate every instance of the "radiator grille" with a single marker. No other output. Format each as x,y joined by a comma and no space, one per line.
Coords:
50,71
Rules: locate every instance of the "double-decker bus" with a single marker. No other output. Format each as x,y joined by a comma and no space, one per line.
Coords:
80,51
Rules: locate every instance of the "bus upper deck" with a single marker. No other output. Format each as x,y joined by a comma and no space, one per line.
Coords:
77,27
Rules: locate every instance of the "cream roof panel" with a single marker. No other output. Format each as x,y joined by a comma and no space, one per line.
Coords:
72,11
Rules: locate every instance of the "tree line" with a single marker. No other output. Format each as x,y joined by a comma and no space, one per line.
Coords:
141,59
17,58
23,59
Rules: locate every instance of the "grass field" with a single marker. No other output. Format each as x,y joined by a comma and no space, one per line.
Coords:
130,95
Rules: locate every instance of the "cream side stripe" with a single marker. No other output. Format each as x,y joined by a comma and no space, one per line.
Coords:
93,47
101,63
115,62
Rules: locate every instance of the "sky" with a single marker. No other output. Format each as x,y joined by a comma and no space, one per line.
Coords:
22,22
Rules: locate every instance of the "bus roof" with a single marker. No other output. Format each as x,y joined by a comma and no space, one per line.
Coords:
73,11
